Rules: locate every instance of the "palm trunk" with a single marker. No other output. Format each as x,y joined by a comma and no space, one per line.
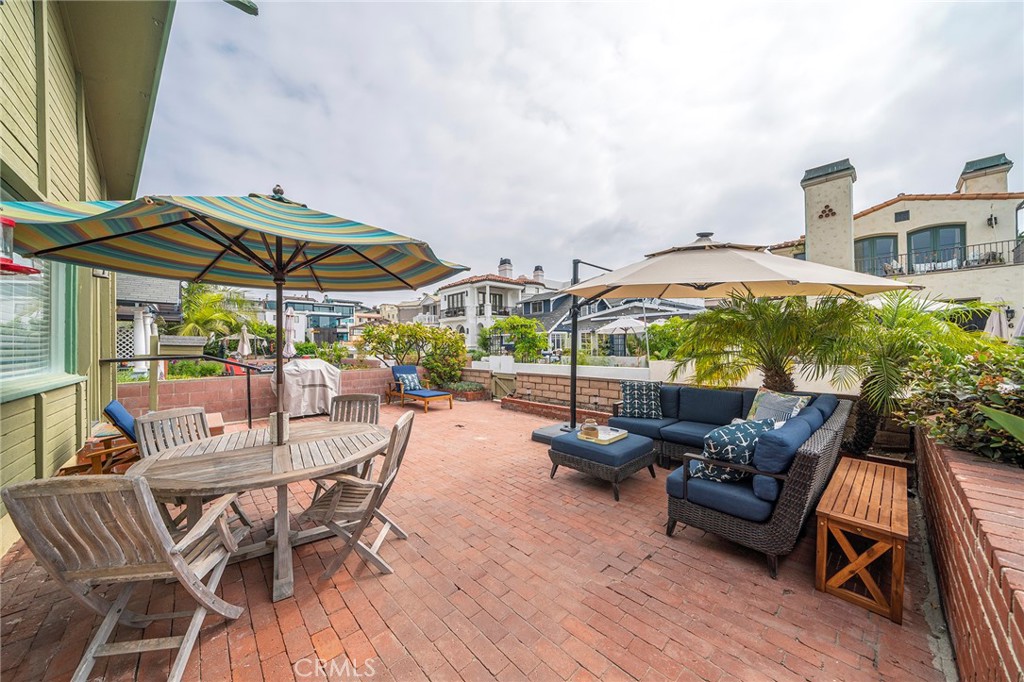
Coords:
865,427
778,380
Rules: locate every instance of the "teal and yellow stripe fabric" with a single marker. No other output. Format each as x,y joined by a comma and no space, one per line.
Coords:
179,237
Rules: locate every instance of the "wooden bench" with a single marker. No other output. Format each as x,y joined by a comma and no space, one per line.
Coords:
862,519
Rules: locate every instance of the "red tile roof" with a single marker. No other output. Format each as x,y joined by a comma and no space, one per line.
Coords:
939,197
482,278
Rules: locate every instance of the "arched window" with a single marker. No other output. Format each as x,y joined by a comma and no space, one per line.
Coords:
872,254
940,247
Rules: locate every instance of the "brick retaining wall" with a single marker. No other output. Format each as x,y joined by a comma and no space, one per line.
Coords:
555,412
590,392
975,514
227,394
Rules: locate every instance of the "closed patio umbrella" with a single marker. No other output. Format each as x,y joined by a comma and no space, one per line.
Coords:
997,325
243,342
257,241
289,334
710,269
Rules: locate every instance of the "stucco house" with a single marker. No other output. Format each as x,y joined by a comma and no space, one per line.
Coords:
964,245
80,84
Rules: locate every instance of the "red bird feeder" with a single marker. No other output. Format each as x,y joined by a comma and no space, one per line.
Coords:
7,264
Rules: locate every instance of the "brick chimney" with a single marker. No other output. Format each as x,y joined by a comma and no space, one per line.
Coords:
538,273
986,175
505,267
828,213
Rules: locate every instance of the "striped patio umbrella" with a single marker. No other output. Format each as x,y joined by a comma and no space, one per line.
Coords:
258,241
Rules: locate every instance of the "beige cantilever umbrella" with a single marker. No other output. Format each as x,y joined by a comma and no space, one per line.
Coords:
709,269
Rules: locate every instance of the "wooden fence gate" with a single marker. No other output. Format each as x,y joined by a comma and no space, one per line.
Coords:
502,385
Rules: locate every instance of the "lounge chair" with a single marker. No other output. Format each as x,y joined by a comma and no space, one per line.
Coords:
406,379
97,531
349,505
112,459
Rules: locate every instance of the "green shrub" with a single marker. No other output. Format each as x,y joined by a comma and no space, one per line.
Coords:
464,386
192,369
945,397
445,355
305,348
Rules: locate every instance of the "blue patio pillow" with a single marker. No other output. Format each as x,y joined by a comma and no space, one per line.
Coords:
410,382
641,399
812,416
733,443
775,450
766,488
773,405
826,403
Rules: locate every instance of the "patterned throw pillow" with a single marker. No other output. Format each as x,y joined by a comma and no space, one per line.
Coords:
641,399
733,443
410,382
771,405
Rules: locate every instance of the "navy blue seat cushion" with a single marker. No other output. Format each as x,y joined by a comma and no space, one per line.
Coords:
766,487
709,405
732,443
426,393
640,426
688,433
736,499
614,454
121,418
813,417
776,449
748,400
669,402
826,403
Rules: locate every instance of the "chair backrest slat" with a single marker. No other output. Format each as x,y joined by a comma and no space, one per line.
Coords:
356,407
158,431
96,523
395,454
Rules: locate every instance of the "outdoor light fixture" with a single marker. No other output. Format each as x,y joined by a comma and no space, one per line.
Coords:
992,220
7,264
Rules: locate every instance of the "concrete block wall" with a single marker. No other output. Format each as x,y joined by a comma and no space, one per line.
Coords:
591,393
976,527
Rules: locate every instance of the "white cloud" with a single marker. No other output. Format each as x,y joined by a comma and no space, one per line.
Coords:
544,132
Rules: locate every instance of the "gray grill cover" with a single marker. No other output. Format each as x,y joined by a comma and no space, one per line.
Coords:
309,386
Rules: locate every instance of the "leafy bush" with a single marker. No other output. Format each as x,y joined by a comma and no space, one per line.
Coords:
477,353
401,344
192,369
464,386
332,353
945,397
305,348
445,355
525,334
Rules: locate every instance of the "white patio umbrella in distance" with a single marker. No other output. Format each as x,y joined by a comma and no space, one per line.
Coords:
624,325
997,325
710,269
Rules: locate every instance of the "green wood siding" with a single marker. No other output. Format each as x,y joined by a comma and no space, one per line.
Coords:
18,130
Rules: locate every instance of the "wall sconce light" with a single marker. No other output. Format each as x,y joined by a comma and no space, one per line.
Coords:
1010,313
992,220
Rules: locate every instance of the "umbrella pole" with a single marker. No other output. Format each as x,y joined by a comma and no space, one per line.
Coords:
574,346
279,374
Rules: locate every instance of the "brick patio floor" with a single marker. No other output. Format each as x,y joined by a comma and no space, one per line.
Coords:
506,574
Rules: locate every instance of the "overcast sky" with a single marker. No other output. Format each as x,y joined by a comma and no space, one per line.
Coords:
547,131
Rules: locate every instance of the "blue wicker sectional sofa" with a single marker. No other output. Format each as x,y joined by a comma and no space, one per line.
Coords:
790,468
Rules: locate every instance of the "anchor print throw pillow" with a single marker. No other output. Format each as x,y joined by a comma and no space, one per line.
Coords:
732,443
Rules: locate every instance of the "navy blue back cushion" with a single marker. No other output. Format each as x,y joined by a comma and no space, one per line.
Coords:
766,487
403,369
812,416
748,400
121,418
669,402
826,403
709,405
776,449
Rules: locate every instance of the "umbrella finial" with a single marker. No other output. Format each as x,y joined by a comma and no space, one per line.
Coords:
705,235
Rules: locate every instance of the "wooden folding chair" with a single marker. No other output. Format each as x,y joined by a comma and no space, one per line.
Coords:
159,431
349,505
94,531
362,408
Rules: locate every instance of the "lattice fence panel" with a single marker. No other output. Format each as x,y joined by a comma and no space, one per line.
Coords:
125,340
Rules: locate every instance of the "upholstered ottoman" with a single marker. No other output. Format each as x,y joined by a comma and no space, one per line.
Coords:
613,462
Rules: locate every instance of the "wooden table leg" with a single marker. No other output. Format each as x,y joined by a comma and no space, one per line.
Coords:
193,510
284,581
896,600
822,554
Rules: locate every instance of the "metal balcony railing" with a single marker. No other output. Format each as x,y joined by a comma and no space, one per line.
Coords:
923,261
425,318
455,312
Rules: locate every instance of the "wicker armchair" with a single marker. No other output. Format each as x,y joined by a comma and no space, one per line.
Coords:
802,486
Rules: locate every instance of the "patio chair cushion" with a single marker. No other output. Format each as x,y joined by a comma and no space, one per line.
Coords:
643,427
776,449
688,433
614,454
733,443
773,405
709,405
121,418
410,382
734,498
669,402
425,393
813,417
641,399
826,403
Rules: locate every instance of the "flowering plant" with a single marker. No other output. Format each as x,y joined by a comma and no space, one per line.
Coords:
947,397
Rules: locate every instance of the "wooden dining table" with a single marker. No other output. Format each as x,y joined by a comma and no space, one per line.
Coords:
247,460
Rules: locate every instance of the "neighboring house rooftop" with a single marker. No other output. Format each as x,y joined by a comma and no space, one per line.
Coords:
939,197
482,278
787,244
